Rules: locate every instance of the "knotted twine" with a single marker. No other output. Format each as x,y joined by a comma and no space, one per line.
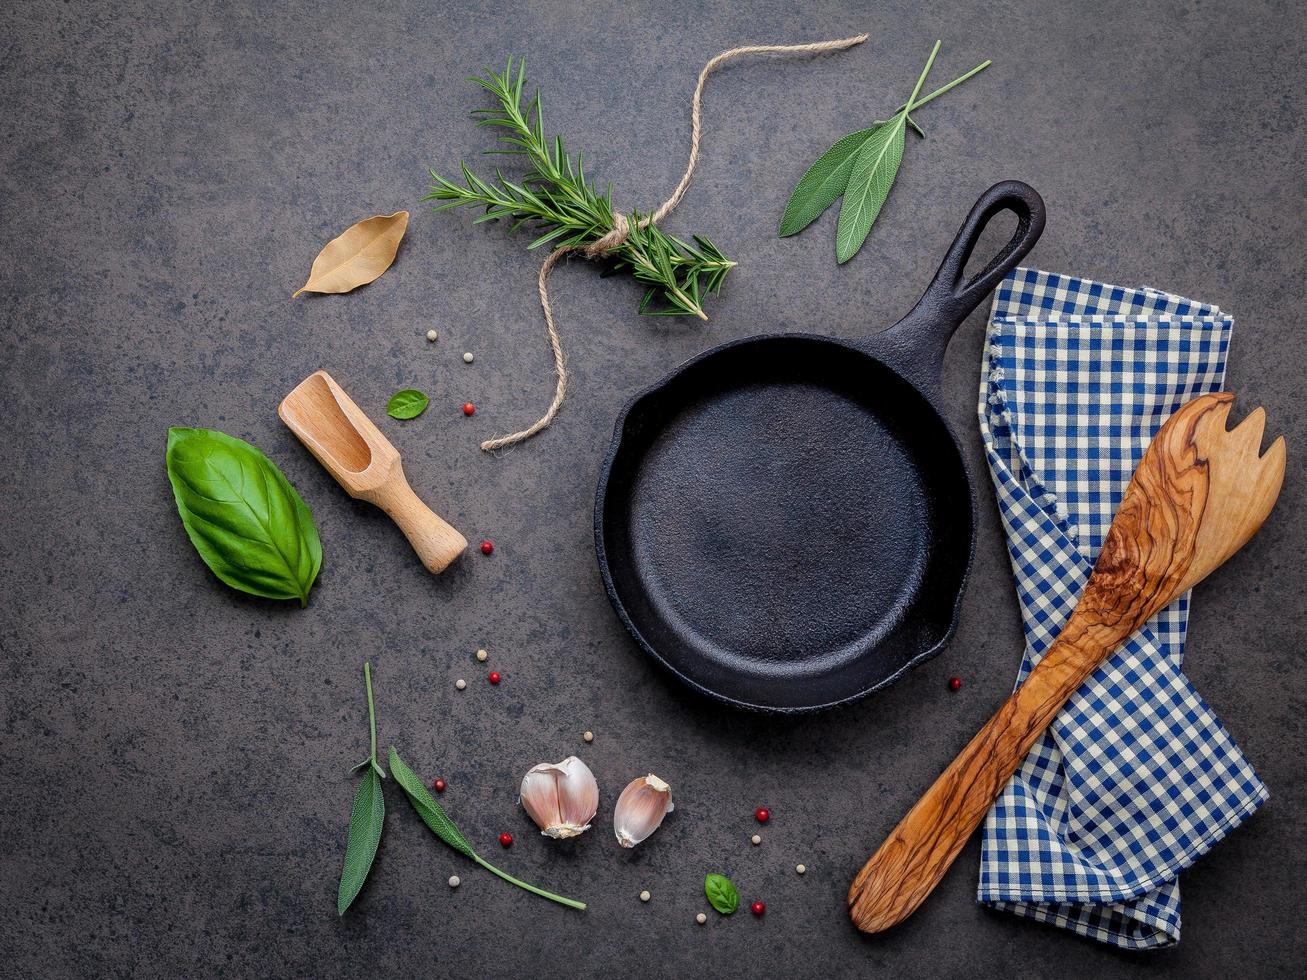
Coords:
621,228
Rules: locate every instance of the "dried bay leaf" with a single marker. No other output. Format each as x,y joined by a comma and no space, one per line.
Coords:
362,253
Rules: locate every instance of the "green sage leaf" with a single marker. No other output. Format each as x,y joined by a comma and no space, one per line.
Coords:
874,169
364,835
721,893
242,515
431,812
407,404
823,184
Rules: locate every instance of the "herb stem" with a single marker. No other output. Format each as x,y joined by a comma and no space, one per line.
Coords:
569,902
922,80
372,719
951,85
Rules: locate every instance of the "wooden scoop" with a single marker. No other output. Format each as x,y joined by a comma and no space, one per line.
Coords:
363,461
1198,494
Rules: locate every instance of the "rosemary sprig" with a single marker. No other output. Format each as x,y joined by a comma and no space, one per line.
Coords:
558,198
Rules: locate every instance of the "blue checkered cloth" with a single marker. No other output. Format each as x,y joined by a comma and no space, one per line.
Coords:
1136,779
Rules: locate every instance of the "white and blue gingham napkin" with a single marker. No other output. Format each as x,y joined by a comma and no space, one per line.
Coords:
1136,779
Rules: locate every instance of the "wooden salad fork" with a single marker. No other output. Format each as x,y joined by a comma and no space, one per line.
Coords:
363,461
1198,494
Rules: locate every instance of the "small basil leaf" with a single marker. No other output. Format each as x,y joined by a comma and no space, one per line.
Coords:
823,184
721,893
431,812
242,515
365,824
407,404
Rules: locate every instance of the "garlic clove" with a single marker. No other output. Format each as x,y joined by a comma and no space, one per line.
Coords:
578,795
640,809
562,798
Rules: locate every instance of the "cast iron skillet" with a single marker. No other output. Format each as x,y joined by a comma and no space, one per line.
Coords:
786,522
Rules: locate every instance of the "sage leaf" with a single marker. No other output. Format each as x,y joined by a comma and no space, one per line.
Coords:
364,835
721,893
874,170
861,167
407,404
357,256
823,184
431,812
242,515
434,816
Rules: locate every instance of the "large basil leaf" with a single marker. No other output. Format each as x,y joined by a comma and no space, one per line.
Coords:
243,516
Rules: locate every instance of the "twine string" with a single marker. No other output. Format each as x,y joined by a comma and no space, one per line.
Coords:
621,230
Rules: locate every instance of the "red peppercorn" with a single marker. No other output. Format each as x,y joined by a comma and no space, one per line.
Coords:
494,677
487,548
762,814
438,785
955,684
757,908
468,408
506,839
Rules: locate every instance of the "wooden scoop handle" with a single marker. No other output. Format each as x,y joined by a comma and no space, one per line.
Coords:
910,863
436,543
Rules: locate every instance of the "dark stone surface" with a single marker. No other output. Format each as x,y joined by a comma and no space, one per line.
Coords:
174,753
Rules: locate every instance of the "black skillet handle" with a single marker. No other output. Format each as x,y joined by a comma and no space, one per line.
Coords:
917,343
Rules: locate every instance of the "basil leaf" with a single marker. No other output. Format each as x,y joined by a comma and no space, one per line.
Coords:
242,515
874,169
721,893
364,836
407,404
823,184
431,812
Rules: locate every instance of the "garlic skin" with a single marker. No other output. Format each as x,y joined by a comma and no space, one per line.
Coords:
562,798
640,809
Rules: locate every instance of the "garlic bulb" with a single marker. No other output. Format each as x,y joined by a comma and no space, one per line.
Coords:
562,798
640,809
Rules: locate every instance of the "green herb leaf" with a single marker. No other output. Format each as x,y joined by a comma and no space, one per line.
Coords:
242,515
862,168
721,893
431,812
874,170
434,816
364,835
368,816
823,184
407,404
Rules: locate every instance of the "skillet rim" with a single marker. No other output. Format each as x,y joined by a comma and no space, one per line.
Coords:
866,347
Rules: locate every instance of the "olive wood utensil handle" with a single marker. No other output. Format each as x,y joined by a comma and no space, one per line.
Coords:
1197,496
911,862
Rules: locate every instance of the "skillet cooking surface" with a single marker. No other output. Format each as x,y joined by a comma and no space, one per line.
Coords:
787,523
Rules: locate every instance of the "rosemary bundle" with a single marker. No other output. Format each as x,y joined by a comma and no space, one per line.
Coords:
563,204
571,215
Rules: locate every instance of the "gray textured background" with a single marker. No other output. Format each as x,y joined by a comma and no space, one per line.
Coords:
173,753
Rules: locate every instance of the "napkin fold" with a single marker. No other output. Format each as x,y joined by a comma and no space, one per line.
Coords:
1136,779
